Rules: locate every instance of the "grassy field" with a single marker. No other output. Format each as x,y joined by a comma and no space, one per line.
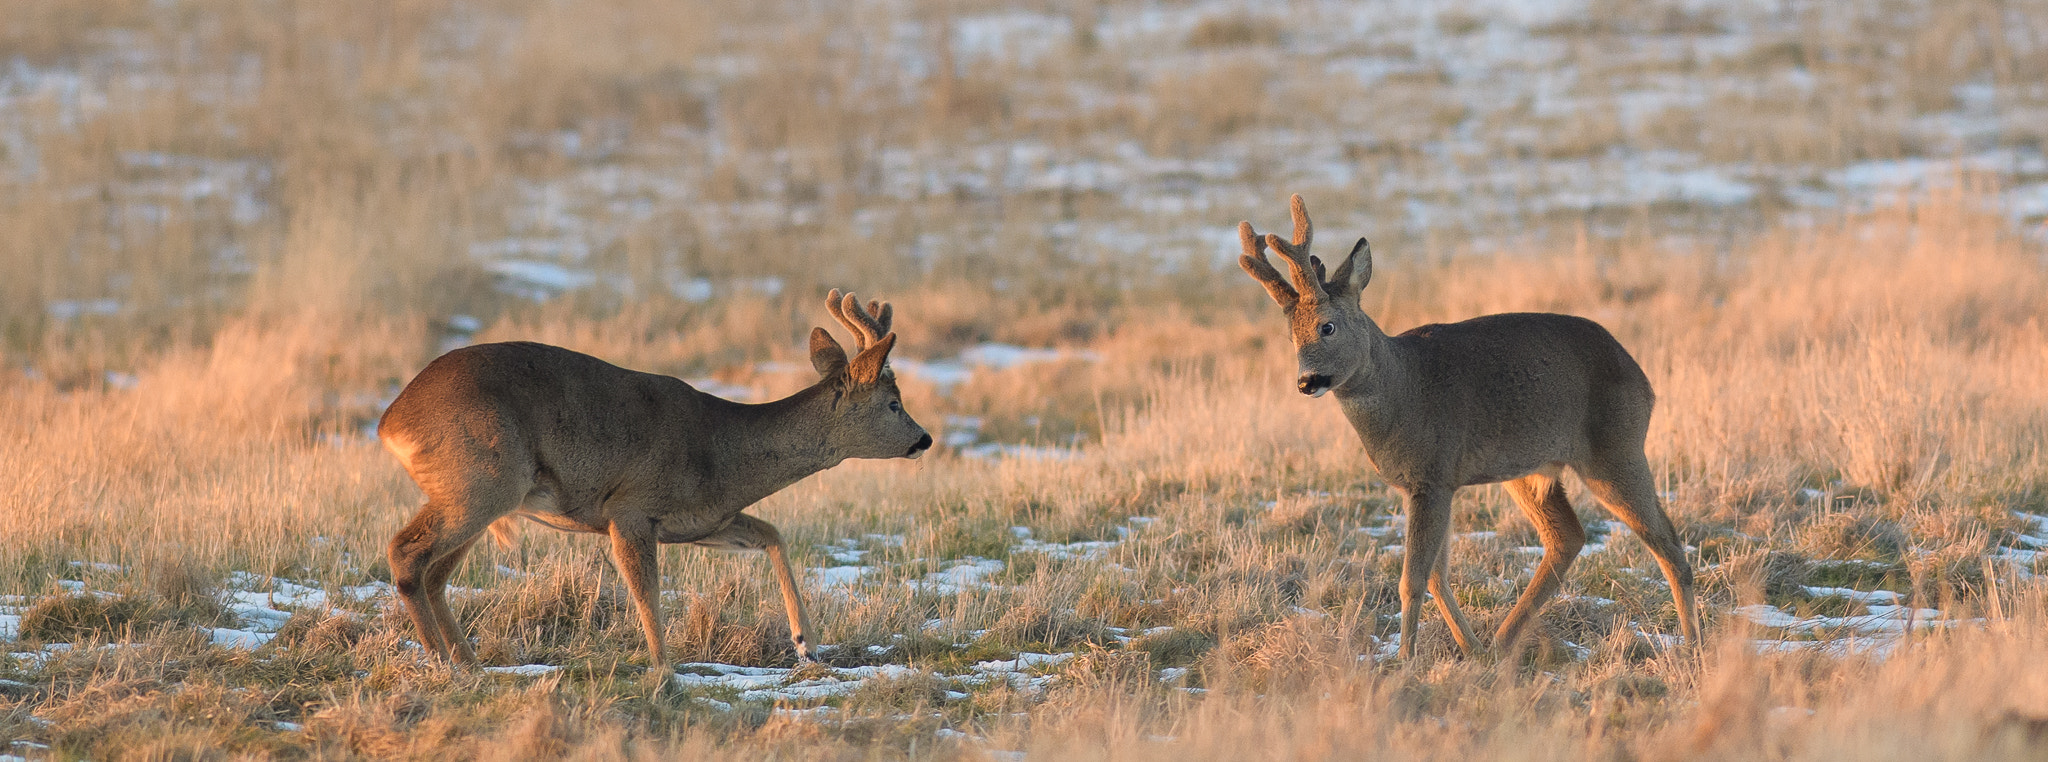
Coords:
237,228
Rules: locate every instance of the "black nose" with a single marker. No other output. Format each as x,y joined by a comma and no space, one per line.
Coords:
923,443
1312,383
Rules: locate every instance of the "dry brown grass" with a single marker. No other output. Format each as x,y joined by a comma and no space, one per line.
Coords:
1894,360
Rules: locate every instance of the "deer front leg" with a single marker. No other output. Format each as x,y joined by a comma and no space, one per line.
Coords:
1429,525
637,555
749,533
1440,589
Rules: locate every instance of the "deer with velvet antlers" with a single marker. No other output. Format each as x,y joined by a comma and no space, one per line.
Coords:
497,431
1511,398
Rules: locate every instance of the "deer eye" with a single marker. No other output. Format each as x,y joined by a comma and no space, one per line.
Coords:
1327,329
895,407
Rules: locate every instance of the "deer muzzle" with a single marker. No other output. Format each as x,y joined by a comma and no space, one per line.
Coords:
1313,384
923,443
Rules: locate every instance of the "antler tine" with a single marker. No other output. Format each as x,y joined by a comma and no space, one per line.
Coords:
1303,231
835,302
1255,264
1299,265
883,315
861,322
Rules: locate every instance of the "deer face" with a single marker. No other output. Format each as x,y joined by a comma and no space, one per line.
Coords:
873,424
1333,338
867,418
1332,342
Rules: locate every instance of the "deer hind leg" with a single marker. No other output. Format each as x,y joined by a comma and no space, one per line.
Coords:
452,636
1446,604
749,533
1542,498
637,554
1629,491
1429,526
422,556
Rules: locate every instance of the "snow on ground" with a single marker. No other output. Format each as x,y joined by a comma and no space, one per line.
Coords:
242,639
958,576
990,356
778,684
543,235
1881,619
998,451
838,576
525,670
1087,550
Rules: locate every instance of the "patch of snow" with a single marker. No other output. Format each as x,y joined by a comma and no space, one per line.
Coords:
940,373
1389,647
1881,619
839,576
538,281
1017,37
10,626
282,592
1006,356
376,589
1699,186
245,639
525,670
713,703
998,451
1874,596
693,290
1839,647
259,618
1086,550
947,374
2017,556
958,576
1023,662
772,684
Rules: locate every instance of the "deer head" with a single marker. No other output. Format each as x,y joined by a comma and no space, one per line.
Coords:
1333,337
867,418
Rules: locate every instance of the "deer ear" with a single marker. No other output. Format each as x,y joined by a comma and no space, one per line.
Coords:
826,354
866,367
1352,276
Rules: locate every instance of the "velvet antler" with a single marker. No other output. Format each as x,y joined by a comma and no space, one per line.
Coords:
868,325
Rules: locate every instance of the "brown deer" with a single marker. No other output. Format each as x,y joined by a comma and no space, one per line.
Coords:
494,431
1509,398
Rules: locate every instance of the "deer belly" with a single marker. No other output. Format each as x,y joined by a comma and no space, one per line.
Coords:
684,529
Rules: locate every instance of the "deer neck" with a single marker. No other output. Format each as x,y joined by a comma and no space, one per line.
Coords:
1386,376
765,447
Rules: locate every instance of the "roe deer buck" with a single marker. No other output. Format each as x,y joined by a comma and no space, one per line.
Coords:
1503,398
495,431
